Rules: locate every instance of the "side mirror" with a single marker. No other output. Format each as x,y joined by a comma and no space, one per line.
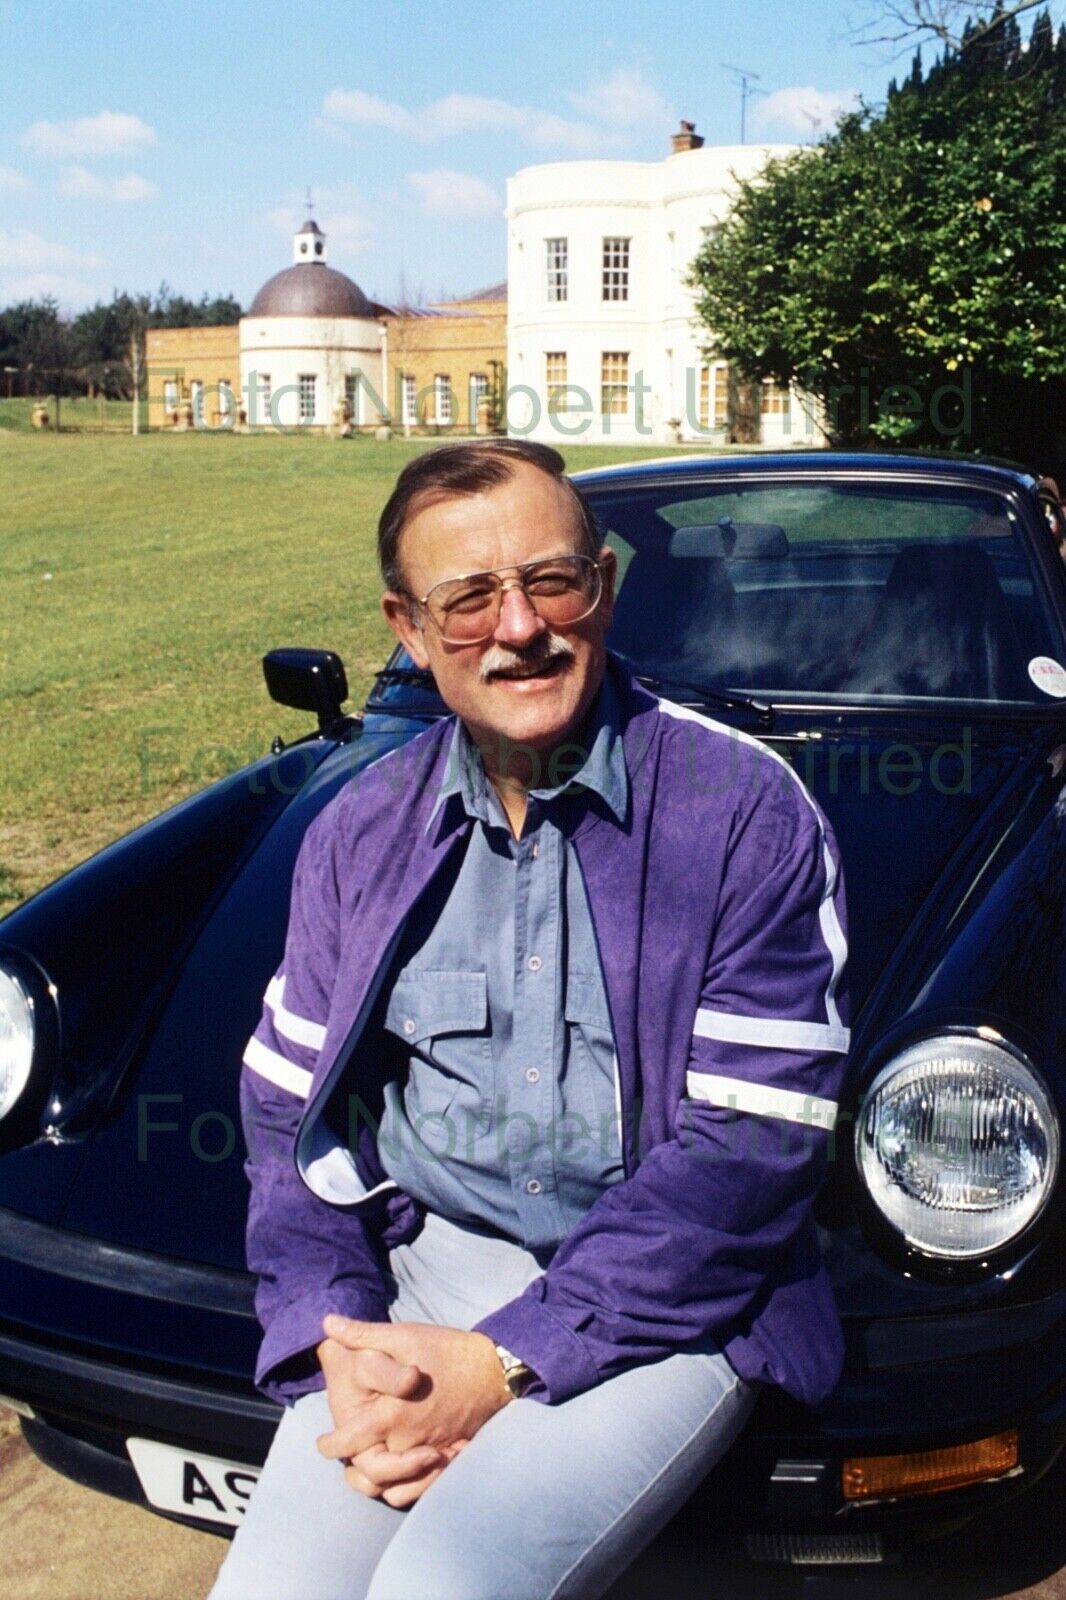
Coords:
309,680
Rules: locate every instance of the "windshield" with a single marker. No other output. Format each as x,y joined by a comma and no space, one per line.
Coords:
856,591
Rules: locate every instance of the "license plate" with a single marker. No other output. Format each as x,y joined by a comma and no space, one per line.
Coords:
192,1485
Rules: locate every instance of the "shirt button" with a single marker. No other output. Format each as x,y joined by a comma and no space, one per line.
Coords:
409,1026
534,1186
534,963
532,1075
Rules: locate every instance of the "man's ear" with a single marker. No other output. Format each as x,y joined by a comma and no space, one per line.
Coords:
397,609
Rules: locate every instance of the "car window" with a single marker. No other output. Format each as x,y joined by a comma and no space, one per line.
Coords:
847,590
1056,521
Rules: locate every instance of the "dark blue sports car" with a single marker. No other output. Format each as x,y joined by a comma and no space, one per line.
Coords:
895,628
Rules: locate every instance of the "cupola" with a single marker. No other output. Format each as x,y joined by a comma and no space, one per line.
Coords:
309,243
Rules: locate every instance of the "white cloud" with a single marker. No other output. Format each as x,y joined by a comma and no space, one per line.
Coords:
26,251
12,182
83,184
624,100
70,292
805,110
471,113
108,133
545,130
367,110
455,114
456,194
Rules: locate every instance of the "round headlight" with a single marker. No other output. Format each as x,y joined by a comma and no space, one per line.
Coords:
16,1040
958,1144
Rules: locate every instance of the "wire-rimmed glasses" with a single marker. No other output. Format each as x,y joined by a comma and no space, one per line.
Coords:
561,589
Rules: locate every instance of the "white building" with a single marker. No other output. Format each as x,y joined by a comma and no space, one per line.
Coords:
601,339
309,334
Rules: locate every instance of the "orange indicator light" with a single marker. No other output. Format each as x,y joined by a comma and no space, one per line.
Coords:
929,1471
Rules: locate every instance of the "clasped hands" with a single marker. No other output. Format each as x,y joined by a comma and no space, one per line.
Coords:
405,1398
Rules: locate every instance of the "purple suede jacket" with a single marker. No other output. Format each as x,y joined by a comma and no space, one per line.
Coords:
718,907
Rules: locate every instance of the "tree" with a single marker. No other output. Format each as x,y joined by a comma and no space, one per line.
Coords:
100,349
908,271
408,302
34,338
958,25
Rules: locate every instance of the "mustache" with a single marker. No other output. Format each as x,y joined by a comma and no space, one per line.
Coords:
549,647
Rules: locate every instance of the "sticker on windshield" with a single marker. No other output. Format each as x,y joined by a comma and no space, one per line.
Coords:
1048,675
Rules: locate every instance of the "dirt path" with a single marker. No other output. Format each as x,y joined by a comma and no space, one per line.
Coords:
63,1542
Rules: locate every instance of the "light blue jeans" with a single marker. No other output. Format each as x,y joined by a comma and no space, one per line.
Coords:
545,1502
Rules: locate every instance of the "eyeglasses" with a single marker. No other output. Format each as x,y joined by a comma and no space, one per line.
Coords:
561,589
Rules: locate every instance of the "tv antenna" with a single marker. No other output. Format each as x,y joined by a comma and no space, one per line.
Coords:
745,78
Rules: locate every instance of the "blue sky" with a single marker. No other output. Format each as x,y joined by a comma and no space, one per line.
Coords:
149,141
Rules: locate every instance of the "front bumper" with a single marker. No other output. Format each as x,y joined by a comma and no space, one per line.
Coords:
112,1343
86,1408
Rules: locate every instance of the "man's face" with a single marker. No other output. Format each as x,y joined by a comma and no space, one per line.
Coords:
527,684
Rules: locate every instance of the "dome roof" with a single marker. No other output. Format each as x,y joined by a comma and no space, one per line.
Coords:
310,289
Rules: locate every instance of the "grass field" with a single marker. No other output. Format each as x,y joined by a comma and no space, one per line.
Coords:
75,413
142,581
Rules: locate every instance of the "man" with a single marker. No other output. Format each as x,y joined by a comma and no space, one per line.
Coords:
540,1096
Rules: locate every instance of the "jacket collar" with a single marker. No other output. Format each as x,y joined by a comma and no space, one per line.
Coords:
464,788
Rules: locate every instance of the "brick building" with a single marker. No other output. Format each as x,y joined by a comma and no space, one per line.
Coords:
191,367
314,352
448,360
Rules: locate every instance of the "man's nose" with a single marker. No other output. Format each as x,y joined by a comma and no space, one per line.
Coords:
518,623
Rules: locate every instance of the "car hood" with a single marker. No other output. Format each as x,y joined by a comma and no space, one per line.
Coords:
912,804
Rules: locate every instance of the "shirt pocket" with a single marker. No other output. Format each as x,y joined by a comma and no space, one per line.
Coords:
588,1083
442,1015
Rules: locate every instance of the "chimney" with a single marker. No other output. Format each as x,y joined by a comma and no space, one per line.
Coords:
686,138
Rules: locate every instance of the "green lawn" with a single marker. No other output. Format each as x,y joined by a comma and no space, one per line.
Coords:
110,416
142,581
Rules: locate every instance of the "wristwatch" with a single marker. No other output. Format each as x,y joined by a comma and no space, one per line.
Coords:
516,1375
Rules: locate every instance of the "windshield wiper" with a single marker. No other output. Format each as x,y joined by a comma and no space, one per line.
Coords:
761,710
421,677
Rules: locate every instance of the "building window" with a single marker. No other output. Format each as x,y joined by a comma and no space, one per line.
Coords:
479,390
774,402
170,395
556,251
306,385
442,400
196,395
225,403
616,269
352,393
410,400
555,380
263,397
714,395
614,383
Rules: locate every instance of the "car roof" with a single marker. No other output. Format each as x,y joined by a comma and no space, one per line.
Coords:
982,472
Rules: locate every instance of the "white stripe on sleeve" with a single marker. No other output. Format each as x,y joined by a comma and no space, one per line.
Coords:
738,1094
301,1030
774,1033
268,1064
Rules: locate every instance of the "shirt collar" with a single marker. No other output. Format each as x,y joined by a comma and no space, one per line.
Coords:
595,761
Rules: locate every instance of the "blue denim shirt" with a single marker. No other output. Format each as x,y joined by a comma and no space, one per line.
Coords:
507,1113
